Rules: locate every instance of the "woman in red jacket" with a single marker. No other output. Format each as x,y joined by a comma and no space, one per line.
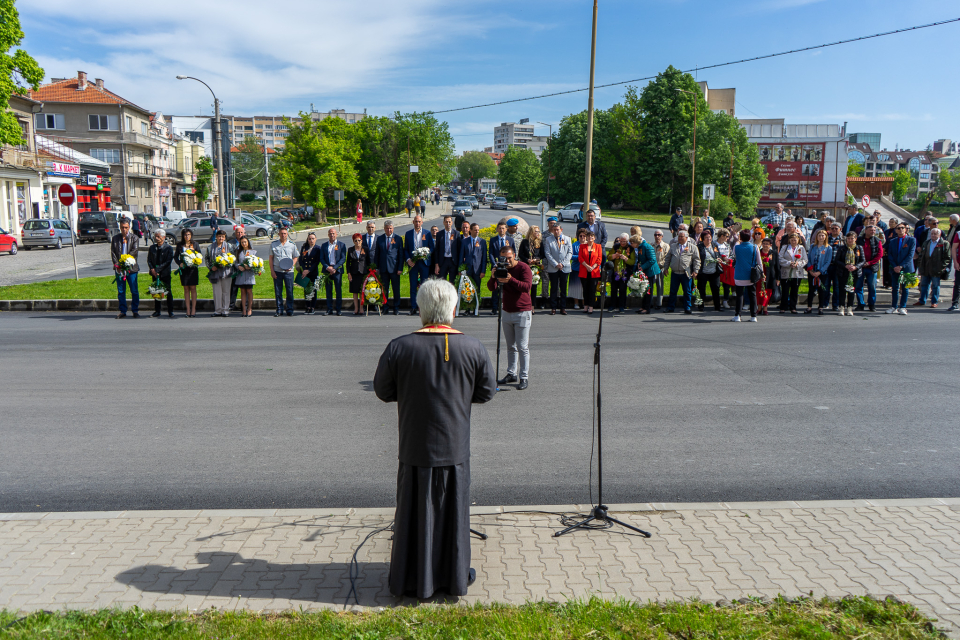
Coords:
591,261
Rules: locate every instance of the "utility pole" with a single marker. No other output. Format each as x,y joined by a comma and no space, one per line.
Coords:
548,158
408,165
733,150
216,141
266,171
693,175
593,62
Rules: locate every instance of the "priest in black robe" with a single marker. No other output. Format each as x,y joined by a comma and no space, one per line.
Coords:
434,375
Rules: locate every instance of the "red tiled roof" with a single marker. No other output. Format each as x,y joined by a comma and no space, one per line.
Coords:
67,91
866,179
237,150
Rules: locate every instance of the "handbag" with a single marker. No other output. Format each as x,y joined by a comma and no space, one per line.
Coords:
756,271
775,294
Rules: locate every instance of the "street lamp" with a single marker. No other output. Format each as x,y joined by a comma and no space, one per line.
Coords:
693,174
216,141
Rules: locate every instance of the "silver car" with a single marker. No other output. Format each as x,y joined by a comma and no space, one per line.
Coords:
464,207
499,203
572,212
254,226
46,232
473,201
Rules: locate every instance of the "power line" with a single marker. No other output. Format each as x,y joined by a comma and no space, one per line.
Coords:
712,66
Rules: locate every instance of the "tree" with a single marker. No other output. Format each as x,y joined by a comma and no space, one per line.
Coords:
903,183
520,174
318,158
854,170
476,165
19,72
424,141
377,168
248,164
204,181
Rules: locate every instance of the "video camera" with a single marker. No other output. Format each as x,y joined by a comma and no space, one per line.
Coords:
501,268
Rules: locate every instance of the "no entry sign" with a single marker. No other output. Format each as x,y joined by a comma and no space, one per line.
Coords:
66,194
865,201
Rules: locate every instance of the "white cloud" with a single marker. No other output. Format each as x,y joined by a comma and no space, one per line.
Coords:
255,55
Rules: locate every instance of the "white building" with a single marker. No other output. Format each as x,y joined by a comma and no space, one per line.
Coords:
488,185
511,134
197,129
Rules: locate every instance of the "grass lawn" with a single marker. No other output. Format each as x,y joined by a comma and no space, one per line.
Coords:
850,619
638,215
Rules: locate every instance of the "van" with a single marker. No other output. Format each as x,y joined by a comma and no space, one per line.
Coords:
176,215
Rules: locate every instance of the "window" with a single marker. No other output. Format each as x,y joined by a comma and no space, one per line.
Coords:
143,128
259,126
49,121
869,165
268,126
924,176
106,155
129,123
102,123
914,164
925,167
924,185
248,128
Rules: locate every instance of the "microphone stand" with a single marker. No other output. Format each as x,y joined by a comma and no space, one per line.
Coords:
599,512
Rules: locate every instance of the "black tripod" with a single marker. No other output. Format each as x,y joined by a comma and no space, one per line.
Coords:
499,321
599,512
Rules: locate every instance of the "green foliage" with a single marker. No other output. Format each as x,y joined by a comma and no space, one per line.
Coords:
247,197
204,182
318,158
17,72
248,164
903,183
430,148
520,174
474,165
643,149
947,181
854,170
851,618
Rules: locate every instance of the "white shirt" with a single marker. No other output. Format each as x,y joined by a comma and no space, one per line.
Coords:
371,240
333,253
416,238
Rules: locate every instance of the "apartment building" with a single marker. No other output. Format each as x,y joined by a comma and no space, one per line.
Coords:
21,187
720,100
271,130
877,164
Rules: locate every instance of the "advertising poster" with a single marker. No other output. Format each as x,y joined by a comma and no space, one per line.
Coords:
794,171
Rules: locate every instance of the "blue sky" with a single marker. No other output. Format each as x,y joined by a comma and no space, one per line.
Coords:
388,55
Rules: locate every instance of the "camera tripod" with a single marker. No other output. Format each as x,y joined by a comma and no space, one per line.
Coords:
599,512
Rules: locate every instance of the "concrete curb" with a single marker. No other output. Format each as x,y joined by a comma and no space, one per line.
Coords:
492,510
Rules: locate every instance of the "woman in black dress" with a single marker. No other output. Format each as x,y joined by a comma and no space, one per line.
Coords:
189,274
531,252
358,263
310,263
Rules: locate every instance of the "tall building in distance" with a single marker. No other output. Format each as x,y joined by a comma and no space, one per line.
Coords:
271,131
720,100
872,139
519,135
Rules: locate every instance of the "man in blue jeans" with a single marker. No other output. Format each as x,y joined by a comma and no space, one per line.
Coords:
900,249
283,258
683,259
126,243
872,252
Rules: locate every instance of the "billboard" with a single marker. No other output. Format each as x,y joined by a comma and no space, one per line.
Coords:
794,171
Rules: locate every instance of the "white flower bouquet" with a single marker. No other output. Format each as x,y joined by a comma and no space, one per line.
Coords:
421,254
157,291
637,285
372,292
191,258
224,260
126,264
253,263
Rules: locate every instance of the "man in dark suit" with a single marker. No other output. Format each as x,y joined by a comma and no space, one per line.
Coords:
498,242
159,258
390,264
333,254
370,243
417,238
598,228
854,221
127,243
473,253
900,249
446,255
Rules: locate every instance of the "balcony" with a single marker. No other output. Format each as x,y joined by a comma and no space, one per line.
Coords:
147,170
20,157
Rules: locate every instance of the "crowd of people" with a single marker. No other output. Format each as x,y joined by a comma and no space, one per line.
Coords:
740,269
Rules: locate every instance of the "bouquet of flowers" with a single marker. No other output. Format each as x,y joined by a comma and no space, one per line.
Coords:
421,254
467,292
535,268
697,300
125,265
909,280
637,285
157,291
191,258
320,283
850,286
224,260
372,291
254,264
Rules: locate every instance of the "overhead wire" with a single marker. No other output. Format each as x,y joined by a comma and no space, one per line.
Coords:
711,66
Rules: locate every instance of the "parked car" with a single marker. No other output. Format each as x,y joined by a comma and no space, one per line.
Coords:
176,215
572,212
8,242
464,207
451,198
473,201
93,226
254,226
499,203
46,232
201,227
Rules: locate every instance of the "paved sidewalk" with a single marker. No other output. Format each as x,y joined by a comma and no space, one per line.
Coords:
276,560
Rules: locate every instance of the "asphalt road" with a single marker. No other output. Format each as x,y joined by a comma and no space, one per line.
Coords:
100,414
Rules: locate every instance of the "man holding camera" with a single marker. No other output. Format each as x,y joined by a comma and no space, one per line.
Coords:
497,243
516,280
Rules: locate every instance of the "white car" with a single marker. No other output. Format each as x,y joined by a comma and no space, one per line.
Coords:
572,212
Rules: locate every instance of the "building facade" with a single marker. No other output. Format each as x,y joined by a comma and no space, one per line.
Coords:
806,165
872,139
21,184
271,130
720,100
511,134
882,163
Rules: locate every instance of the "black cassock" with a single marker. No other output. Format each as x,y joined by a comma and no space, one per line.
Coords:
434,375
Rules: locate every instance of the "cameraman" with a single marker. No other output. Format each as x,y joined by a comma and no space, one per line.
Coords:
516,280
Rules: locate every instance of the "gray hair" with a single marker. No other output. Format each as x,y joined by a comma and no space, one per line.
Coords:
160,232
829,220
437,300
624,236
937,231
954,218
683,232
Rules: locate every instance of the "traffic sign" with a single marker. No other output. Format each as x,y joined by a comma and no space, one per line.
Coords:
708,191
66,194
865,201
338,195
543,207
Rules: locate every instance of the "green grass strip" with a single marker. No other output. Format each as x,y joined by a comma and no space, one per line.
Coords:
853,619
